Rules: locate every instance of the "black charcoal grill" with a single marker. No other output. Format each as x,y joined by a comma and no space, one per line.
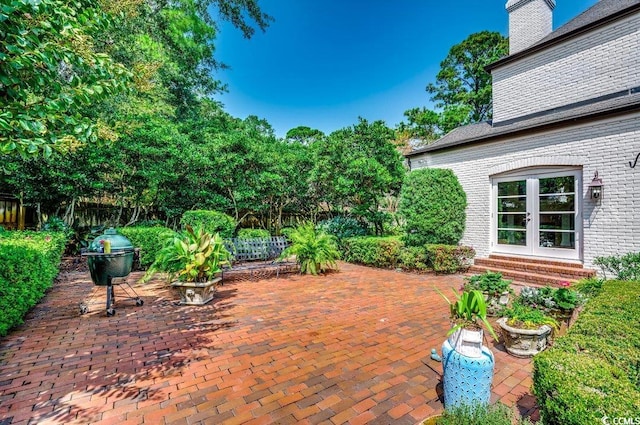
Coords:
111,256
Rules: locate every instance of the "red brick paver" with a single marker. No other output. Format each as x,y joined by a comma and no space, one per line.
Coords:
350,347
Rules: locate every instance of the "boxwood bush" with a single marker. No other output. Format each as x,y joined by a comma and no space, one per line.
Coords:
343,227
391,252
594,370
211,221
30,262
149,239
432,203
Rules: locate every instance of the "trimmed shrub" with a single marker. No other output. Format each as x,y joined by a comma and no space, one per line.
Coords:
253,233
373,251
30,263
432,204
626,267
594,370
150,240
210,221
449,258
414,258
343,227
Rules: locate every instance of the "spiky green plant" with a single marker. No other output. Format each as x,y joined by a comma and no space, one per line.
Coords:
467,309
191,256
315,251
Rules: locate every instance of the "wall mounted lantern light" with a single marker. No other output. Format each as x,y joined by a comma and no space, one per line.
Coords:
595,187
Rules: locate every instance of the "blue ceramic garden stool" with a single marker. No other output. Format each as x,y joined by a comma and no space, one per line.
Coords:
467,380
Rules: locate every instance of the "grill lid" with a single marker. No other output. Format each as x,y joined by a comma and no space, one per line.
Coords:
118,242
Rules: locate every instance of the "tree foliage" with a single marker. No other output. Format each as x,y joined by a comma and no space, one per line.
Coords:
462,91
52,71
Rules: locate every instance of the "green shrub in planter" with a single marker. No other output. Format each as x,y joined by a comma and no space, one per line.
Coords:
432,203
490,282
30,263
150,240
594,370
253,233
209,221
450,258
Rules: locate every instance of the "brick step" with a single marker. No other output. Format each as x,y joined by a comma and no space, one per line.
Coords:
535,261
522,277
555,269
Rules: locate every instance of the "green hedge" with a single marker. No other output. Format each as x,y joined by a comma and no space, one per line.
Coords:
253,233
150,240
391,252
594,370
211,221
30,262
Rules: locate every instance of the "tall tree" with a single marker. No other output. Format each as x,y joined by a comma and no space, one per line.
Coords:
463,88
354,168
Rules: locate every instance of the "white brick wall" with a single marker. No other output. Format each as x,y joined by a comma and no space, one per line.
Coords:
529,22
601,62
613,227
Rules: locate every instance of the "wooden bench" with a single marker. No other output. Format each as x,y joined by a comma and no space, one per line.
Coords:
252,255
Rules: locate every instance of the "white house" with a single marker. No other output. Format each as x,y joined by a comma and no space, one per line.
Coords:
556,174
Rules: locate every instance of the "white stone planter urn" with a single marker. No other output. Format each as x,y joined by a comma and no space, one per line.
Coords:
467,342
196,293
496,303
524,342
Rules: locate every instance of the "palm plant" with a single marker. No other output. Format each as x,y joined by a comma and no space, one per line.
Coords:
315,251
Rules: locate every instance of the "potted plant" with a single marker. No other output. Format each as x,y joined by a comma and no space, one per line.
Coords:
315,251
192,259
467,364
560,303
526,330
495,289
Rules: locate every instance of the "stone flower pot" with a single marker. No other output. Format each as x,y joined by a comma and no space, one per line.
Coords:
524,342
196,293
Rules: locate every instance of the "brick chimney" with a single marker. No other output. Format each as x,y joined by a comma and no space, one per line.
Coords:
529,22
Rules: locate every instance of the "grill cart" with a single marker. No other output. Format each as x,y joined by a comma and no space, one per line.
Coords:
110,256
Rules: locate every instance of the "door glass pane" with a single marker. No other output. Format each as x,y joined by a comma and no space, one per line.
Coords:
512,237
565,240
512,188
512,204
557,203
512,221
565,184
558,221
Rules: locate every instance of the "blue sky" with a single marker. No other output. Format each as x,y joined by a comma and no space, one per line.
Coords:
323,63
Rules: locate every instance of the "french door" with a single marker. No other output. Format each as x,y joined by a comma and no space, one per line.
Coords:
538,214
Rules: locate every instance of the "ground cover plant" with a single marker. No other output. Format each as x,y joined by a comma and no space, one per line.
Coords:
594,370
495,414
30,263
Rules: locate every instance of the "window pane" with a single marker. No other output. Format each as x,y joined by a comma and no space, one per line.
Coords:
565,240
512,237
512,204
557,185
557,203
512,221
512,188
558,221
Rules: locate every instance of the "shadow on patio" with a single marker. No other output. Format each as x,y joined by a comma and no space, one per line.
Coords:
352,346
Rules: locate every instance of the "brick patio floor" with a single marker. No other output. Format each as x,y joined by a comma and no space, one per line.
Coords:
350,347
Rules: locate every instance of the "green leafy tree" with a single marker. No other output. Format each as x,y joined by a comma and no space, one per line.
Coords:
463,88
304,135
354,168
432,203
52,71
